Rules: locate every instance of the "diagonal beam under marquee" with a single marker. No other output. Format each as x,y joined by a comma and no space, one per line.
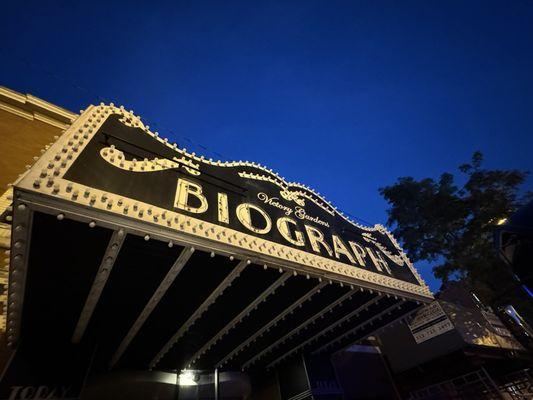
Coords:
394,321
267,292
300,327
272,323
100,280
171,275
329,328
371,320
200,310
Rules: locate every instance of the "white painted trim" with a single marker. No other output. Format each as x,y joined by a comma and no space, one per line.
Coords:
11,94
50,121
51,107
17,111
32,107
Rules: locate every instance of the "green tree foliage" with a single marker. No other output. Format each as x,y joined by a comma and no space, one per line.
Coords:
451,225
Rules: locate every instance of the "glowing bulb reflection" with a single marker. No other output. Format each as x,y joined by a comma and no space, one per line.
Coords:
187,378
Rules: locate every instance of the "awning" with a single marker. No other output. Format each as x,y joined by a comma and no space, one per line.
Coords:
156,258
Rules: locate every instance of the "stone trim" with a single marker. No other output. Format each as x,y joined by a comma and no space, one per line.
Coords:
31,107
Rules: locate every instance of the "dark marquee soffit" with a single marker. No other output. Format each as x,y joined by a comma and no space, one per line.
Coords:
109,170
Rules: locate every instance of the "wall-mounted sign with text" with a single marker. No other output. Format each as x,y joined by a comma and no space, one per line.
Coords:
430,321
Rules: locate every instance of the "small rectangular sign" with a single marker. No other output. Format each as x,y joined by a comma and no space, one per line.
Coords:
496,323
429,322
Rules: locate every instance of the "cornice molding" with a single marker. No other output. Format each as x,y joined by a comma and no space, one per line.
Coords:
32,107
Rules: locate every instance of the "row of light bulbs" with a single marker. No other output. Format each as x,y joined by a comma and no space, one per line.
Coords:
17,275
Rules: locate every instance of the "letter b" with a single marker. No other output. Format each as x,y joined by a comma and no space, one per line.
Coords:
184,190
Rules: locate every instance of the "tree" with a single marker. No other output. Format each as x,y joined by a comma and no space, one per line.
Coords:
451,225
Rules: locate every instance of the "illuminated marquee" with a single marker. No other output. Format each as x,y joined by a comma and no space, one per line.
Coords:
111,162
153,257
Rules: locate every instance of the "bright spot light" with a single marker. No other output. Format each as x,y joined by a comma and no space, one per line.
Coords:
187,378
502,221
477,298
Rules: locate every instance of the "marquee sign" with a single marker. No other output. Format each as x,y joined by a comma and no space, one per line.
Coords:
109,161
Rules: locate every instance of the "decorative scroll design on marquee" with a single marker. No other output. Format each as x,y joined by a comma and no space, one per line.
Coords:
285,192
293,196
397,259
47,177
116,158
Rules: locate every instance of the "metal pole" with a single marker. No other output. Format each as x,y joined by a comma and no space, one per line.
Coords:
216,384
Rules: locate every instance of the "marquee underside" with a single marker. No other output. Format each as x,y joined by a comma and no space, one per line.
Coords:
285,313
148,284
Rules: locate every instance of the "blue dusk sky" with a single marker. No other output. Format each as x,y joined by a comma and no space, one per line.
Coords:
343,96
